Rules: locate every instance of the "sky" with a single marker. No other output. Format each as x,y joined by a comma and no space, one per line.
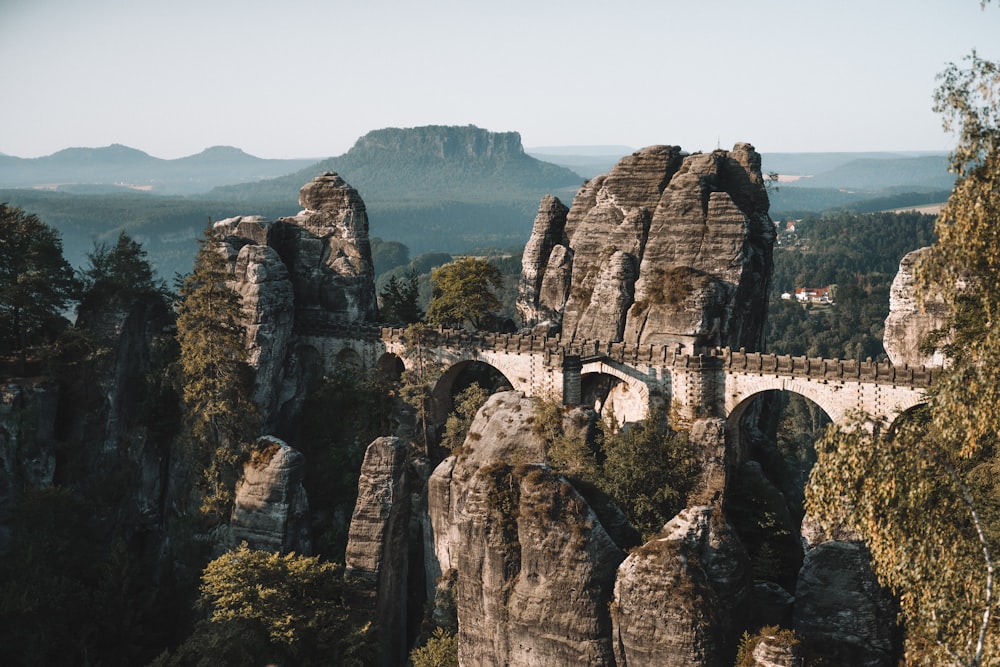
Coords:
306,78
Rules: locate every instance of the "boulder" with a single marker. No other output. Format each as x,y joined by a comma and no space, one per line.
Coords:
533,565
776,651
841,609
541,293
328,253
261,279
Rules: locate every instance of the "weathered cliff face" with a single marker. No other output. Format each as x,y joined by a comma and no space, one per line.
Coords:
911,318
533,564
311,269
841,609
271,511
665,248
546,267
102,400
328,254
677,597
377,550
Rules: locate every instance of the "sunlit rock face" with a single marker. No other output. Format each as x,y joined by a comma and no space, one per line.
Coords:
666,248
533,564
328,254
271,511
913,317
377,550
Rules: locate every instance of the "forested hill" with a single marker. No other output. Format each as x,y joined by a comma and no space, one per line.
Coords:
439,163
118,168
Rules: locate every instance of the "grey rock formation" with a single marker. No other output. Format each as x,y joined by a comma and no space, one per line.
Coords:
544,283
377,542
306,270
328,254
534,565
271,511
677,595
261,279
840,607
666,248
772,651
27,442
912,318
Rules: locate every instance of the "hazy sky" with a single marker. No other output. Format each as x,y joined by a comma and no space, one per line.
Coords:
301,78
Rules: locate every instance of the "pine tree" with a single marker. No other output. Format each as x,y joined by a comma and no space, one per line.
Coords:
216,380
121,269
36,282
398,300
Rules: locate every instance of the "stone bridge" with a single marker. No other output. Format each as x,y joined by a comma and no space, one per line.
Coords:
629,378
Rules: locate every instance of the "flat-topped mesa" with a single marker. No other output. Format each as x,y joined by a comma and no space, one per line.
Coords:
667,248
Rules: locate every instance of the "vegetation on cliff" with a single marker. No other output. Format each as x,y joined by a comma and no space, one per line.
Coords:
924,495
216,380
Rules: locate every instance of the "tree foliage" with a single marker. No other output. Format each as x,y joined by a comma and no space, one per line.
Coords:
649,470
398,300
266,607
216,380
463,293
36,282
467,404
417,382
441,650
925,496
120,269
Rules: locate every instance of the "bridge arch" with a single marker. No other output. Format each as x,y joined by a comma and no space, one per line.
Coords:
610,389
348,359
390,366
460,376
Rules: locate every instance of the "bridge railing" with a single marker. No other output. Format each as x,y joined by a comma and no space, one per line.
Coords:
556,349
827,369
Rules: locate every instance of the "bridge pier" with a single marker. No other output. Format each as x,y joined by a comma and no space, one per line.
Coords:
572,379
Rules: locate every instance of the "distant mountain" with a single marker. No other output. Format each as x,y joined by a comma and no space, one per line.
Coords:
587,161
431,163
873,174
124,167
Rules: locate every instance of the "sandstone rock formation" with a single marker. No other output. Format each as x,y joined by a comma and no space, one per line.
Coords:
773,652
533,563
666,248
911,318
377,542
841,608
311,269
271,511
546,265
27,443
328,254
677,597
